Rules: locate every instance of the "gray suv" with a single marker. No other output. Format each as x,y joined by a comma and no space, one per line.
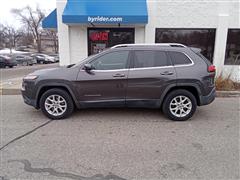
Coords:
171,77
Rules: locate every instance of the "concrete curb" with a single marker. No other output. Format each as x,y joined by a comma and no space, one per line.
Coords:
219,93
10,91
228,93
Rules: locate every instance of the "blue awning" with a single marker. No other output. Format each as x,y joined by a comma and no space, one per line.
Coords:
105,12
50,22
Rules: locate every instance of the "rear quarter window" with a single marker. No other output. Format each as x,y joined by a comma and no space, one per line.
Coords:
204,58
179,58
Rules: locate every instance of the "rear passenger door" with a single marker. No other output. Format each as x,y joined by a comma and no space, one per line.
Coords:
150,73
183,67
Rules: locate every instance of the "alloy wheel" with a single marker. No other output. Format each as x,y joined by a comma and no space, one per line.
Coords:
180,106
55,105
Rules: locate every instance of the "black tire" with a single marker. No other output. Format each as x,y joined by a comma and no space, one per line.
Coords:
10,66
171,96
63,94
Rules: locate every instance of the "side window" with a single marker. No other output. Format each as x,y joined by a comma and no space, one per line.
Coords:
111,61
150,58
179,58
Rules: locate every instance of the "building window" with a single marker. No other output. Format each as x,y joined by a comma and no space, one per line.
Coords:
232,56
102,38
199,38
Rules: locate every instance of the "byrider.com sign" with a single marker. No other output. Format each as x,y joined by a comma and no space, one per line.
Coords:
97,19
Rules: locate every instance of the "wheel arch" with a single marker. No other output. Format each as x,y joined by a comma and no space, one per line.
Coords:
192,88
47,87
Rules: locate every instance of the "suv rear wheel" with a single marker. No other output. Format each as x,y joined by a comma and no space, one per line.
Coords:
56,104
179,105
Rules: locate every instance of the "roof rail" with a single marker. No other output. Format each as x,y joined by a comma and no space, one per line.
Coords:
155,44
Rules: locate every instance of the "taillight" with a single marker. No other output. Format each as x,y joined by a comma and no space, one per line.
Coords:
211,68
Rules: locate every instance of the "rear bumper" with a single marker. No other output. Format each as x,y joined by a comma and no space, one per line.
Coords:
11,64
204,100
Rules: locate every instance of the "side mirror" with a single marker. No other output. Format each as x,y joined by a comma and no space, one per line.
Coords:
88,67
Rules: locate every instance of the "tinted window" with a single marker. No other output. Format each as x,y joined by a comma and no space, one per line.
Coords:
150,59
110,61
204,58
179,58
199,38
232,56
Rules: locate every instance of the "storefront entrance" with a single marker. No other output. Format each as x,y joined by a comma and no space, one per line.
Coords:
102,38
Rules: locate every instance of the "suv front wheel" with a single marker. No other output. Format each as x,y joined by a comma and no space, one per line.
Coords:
56,104
179,105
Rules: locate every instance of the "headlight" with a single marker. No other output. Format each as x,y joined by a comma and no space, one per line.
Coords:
30,77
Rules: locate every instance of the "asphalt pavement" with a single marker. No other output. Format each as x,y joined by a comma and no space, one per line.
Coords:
117,144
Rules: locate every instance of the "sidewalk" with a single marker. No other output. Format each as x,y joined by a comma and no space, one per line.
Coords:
13,87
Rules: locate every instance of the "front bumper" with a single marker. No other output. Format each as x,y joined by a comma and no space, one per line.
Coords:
204,100
28,93
27,100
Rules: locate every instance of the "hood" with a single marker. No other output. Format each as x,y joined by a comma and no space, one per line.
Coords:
57,73
46,71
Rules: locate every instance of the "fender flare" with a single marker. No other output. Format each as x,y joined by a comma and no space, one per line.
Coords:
55,84
179,85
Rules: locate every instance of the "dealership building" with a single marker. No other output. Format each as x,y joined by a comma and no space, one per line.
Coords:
86,27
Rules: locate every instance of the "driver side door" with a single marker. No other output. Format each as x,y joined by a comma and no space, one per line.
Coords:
106,84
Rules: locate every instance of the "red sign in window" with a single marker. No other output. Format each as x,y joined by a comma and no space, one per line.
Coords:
99,36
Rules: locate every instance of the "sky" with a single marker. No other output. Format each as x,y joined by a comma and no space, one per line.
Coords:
6,5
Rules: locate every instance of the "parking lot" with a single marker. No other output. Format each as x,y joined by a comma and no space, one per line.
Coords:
20,71
101,144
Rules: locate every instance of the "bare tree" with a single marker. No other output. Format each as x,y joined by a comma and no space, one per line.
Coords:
26,38
9,36
12,36
32,18
2,36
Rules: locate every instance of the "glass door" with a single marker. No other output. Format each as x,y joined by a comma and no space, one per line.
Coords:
102,38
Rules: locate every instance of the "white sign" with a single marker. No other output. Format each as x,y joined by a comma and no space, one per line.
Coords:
93,19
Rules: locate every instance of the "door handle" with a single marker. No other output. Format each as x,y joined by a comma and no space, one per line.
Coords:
119,75
167,73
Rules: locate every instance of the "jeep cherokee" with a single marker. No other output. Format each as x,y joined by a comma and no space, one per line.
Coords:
171,77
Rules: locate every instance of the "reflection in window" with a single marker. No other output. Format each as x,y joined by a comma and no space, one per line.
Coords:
145,59
232,56
179,58
111,61
199,38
